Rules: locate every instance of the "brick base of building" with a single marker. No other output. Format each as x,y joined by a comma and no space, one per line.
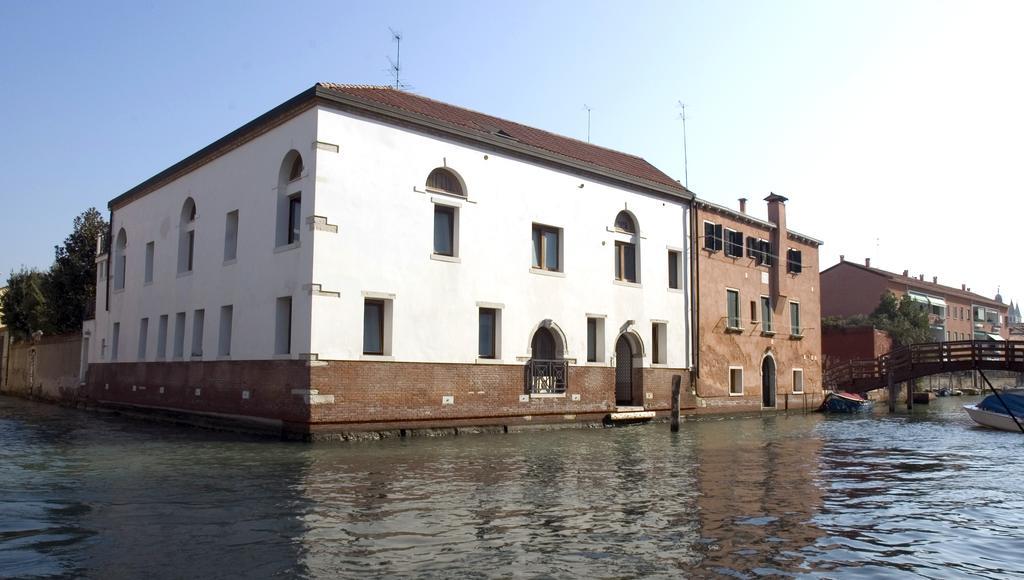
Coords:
368,399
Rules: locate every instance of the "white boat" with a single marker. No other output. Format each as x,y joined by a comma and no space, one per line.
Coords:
991,419
994,410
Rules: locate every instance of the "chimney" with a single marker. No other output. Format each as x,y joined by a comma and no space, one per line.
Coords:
842,258
963,287
906,273
867,262
743,205
920,277
777,216
935,279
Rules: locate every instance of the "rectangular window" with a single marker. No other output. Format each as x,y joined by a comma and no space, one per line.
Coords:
659,338
115,340
733,243
798,381
488,333
546,248
179,335
758,250
444,230
753,312
283,326
794,261
675,260
794,318
143,338
294,218
191,251
625,262
122,269
198,321
735,380
373,327
231,236
712,236
161,338
766,314
150,252
595,339
227,315
732,298
767,257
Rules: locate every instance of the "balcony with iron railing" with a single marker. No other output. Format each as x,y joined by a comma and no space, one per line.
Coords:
546,377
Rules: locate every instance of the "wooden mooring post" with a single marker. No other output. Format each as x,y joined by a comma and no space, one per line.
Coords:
892,393
676,381
910,395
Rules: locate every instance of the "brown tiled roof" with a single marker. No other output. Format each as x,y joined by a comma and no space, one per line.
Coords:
404,107
923,285
609,159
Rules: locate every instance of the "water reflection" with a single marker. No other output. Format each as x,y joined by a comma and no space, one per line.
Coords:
927,494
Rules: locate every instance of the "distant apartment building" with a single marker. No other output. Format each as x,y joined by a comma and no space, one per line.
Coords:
849,289
758,323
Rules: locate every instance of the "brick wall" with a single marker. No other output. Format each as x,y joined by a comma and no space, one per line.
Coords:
359,395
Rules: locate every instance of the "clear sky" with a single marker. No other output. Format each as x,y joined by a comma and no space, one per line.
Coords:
895,128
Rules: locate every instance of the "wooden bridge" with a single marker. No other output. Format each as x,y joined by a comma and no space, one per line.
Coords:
921,360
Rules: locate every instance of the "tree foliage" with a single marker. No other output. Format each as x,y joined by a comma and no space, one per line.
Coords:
24,305
905,320
59,300
71,283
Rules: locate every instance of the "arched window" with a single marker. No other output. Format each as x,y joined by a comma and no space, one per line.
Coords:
626,263
296,171
543,345
624,223
187,236
289,199
444,179
120,259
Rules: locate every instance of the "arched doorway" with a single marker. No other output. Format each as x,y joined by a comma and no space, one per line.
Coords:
768,382
623,371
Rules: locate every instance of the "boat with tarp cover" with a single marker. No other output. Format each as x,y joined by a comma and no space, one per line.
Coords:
840,402
998,411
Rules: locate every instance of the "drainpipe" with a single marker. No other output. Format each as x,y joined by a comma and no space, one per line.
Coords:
694,300
106,279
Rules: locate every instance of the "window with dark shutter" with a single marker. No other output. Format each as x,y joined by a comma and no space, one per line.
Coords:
794,261
733,243
709,236
766,252
718,237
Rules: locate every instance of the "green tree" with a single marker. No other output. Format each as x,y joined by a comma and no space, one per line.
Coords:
70,286
905,320
24,304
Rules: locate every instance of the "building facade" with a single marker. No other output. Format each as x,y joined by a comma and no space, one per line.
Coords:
364,258
849,289
758,324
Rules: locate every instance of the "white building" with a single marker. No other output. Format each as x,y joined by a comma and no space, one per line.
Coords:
364,258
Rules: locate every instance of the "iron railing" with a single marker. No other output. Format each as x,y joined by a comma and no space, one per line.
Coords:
546,377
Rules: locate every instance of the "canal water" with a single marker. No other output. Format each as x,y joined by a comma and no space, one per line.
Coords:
926,494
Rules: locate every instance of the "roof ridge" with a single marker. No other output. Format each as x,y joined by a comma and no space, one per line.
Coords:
919,281
446,104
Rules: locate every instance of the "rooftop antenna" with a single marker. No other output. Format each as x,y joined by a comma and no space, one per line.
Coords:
686,169
396,65
587,107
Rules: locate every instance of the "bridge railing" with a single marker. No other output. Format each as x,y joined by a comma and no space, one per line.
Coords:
927,358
